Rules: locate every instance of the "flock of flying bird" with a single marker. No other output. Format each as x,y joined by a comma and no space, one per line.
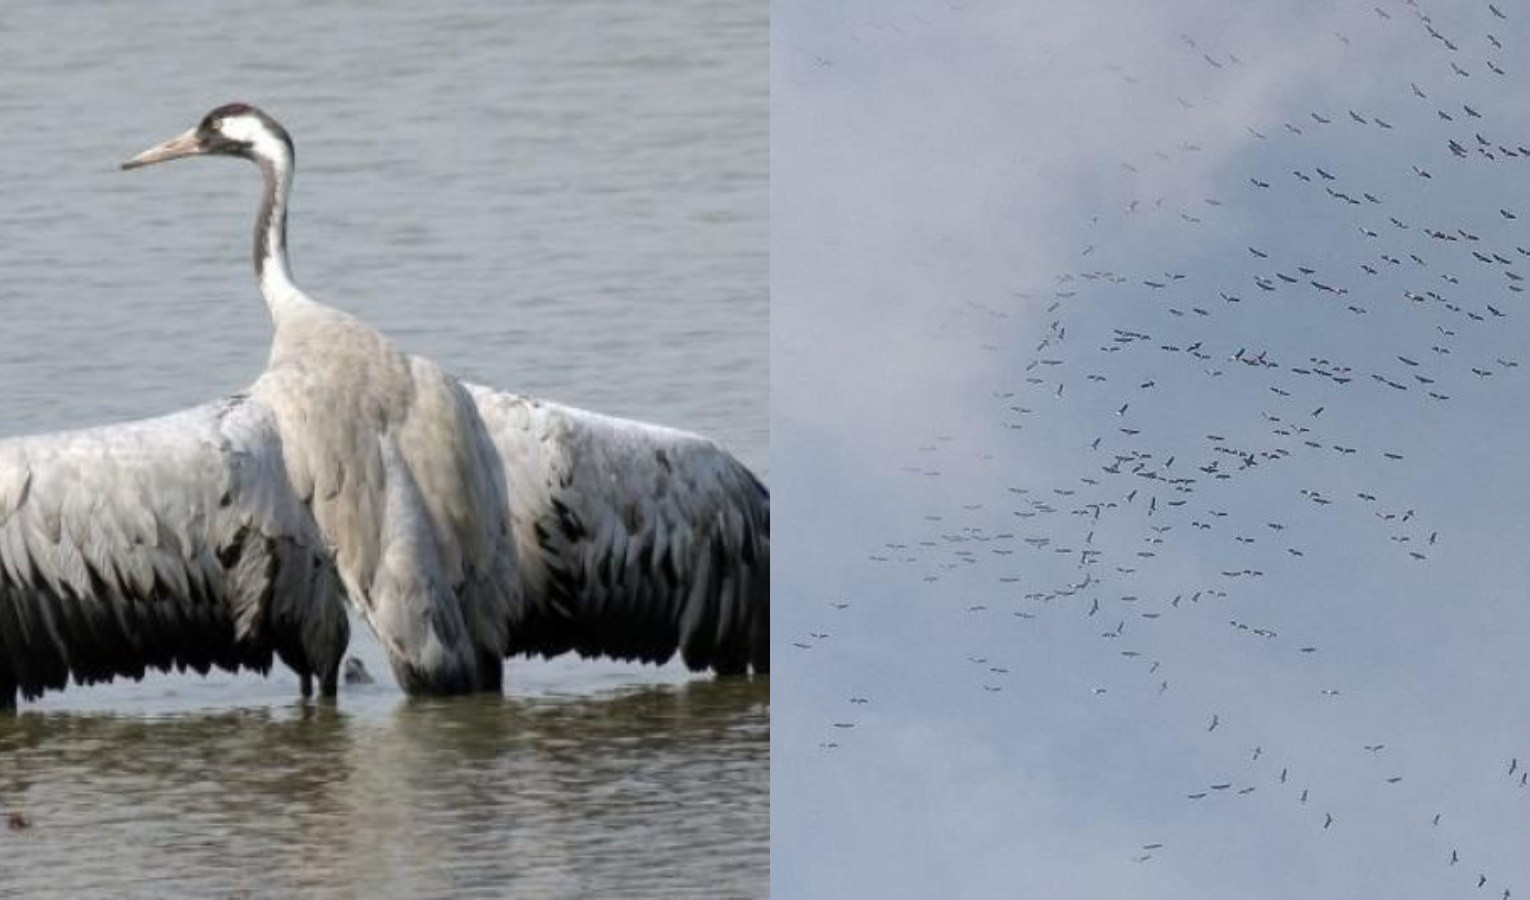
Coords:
1141,486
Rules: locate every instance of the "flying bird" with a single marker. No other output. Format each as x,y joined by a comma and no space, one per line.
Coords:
463,524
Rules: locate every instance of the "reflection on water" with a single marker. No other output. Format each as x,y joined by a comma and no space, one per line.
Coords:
467,797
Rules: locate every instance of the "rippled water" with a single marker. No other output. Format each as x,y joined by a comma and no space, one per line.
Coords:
653,791
566,199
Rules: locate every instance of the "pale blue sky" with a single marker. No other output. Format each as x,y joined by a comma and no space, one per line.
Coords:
968,201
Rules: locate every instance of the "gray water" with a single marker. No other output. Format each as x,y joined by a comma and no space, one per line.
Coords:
566,199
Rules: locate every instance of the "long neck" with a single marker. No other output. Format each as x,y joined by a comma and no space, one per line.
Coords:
271,232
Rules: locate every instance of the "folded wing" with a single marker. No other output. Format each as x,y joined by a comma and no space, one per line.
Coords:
633,541
173,542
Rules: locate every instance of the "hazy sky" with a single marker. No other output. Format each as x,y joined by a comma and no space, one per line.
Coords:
1034,269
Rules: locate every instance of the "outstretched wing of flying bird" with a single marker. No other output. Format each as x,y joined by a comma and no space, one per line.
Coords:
173,542
634,541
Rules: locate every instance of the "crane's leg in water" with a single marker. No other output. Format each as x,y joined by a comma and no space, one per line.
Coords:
329,682
7,693
491,672
305,684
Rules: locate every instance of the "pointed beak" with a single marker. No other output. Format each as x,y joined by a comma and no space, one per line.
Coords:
182,145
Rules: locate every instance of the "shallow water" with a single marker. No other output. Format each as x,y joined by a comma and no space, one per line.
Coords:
564,199
645,791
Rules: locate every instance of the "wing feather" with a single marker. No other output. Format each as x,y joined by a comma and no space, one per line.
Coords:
633,541
170,543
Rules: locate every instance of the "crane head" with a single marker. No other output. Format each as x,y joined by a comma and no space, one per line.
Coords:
234,129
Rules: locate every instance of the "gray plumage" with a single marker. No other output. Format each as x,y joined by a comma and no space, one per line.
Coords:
464,525
633,540
168,543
